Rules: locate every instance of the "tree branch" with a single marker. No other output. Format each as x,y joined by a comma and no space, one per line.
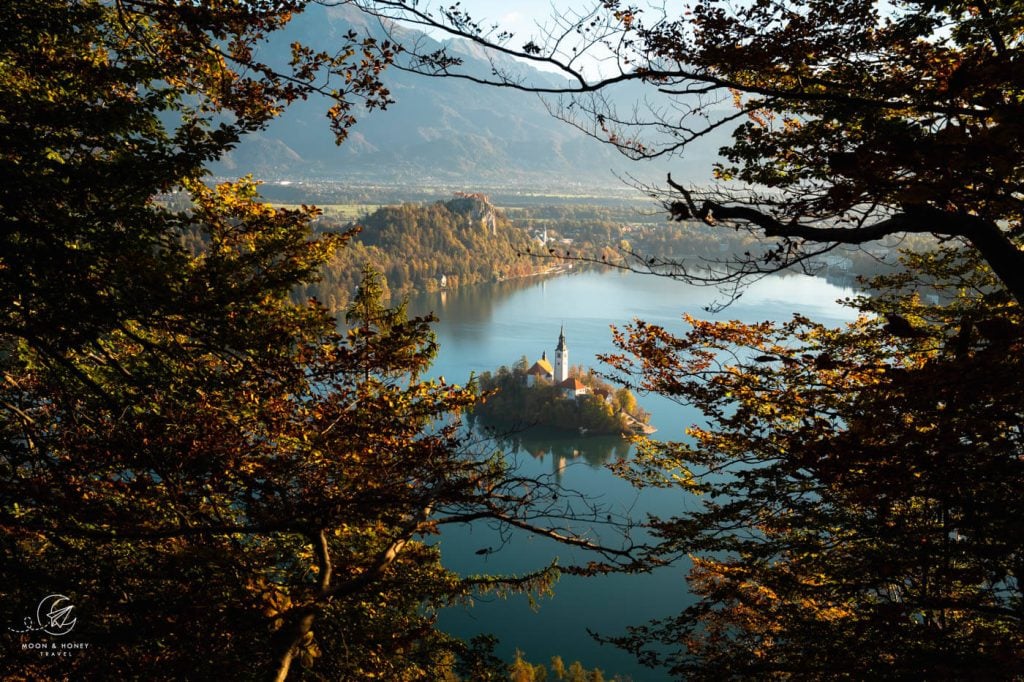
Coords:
579,84
304,616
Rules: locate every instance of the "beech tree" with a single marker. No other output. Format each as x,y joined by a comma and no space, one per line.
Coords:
851,120
858,487
220,482
858,507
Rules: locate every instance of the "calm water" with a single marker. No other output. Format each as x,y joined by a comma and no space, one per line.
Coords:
486,326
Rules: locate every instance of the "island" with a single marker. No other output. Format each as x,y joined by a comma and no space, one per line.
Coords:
558,396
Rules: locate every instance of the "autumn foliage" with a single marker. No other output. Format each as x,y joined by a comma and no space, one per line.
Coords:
224,483
858,487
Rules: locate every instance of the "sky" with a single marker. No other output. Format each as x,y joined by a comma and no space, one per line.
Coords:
526,19
521,16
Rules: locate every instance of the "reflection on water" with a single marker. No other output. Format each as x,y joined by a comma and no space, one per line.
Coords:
468,310
554,446
485,326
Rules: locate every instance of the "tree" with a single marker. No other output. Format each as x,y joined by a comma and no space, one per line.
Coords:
107,106
858,484
859,488
221,483
851,121
625,401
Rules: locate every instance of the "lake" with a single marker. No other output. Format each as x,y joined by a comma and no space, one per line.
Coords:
486,326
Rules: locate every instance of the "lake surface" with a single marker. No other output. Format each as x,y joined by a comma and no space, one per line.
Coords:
486,326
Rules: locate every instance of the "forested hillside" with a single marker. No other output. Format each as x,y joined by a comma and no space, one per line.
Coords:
465,240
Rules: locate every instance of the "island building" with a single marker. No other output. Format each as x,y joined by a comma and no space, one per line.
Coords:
561,357
573,388
542,371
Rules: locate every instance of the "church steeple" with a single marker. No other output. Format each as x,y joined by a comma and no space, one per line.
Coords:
561,357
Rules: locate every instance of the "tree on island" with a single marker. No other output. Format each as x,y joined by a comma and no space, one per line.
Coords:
524,671
509,399
222,483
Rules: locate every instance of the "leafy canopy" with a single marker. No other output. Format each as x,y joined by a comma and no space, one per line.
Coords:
224,484
857,487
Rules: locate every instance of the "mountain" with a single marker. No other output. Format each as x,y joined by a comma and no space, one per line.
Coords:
439,131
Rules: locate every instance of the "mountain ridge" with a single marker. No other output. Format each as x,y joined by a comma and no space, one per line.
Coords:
439,130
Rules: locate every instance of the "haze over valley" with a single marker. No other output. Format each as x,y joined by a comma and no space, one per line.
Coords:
442,132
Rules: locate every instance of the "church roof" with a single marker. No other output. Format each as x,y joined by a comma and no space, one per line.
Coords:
573,383
542,366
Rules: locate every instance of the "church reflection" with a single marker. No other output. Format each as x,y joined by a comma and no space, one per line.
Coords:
563,450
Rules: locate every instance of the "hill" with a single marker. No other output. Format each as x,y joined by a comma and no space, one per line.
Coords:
422,247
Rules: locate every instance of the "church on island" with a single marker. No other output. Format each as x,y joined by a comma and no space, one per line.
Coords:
555,395
543,372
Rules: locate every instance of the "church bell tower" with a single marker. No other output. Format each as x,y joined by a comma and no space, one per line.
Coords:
561,358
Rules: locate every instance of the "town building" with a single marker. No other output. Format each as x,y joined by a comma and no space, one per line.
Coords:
573,388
